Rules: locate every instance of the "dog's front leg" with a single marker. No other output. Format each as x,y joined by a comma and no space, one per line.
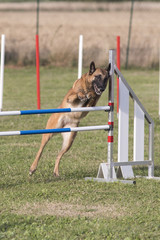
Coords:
92,100
74,97
90,95
82,97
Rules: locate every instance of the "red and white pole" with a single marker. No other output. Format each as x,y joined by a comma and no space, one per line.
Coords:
37,71
111,114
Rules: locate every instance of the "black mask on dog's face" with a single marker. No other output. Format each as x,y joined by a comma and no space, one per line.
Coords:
100,80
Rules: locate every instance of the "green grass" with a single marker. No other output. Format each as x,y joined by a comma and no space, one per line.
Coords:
85,210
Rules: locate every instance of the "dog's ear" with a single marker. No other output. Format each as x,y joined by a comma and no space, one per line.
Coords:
108,68
92,68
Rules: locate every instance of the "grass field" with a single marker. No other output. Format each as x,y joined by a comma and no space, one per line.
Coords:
44,207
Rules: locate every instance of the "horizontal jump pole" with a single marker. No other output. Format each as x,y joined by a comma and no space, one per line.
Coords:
56,130
55,110
132,163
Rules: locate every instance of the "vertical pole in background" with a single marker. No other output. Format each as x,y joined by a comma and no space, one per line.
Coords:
118,65
129,34
159,81
37,71
80,56
37,58
2,70
151,150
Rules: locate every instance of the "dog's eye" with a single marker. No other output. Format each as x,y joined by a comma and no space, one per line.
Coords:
98,76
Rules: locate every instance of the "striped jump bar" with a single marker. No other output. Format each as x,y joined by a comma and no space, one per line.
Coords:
56,130
56,110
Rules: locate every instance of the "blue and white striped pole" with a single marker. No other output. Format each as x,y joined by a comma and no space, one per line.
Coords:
56,130
56,110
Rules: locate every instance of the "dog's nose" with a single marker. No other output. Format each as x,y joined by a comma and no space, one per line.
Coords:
102,89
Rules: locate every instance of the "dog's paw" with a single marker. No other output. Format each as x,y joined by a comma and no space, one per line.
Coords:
89,96
31,172
55,174
82,97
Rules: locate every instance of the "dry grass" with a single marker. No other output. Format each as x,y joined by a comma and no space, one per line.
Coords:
70,210
61,24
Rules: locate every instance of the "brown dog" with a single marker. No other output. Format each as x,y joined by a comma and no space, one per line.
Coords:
85,92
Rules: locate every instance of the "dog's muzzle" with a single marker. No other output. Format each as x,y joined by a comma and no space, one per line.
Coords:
98,90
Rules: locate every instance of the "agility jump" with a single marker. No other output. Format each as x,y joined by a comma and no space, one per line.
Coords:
58,130
106,171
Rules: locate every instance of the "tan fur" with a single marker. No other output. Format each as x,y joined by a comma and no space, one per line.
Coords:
82,94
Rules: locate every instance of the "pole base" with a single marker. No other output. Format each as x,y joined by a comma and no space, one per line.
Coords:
109,180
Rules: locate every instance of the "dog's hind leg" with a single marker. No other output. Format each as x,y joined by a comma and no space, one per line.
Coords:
52,123
68,139
45,139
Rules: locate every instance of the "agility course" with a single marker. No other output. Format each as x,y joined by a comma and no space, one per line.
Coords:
106,171
42,206
120,206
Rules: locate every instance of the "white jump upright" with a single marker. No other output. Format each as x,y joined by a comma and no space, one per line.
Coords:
123,130
106,172
2,70
138,133
140,114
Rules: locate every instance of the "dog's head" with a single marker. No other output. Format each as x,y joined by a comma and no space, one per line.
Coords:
98,78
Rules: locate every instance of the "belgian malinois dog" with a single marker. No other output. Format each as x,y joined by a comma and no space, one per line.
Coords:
85,92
